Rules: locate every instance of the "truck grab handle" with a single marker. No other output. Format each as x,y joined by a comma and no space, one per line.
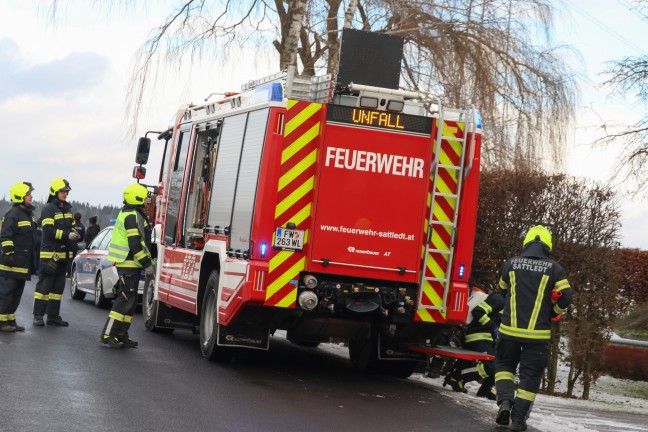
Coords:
471,144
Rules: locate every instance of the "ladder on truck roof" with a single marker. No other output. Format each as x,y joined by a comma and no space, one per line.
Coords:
447,172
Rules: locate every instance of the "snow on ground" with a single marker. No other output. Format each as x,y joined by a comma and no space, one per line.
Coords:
615,404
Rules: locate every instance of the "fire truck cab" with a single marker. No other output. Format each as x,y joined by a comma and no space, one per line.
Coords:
325,212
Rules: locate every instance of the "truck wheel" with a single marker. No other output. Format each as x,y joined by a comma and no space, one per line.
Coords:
363,354
305,343
364,357
75,292
150,310
209,322
398,368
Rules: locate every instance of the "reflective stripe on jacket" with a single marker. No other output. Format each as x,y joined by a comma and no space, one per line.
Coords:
56,223
486,316
17,241
527,282
128,246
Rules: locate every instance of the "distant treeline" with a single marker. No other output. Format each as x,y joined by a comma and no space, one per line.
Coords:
104,213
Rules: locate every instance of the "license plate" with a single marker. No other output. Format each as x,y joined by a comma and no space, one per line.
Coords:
289,239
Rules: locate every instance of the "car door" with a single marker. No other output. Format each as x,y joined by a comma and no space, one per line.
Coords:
88,261
107,268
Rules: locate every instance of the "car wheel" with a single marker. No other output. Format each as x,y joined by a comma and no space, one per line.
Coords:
75,293
150,310
100,300
209,324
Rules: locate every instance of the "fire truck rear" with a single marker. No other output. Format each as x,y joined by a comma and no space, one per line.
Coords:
323,210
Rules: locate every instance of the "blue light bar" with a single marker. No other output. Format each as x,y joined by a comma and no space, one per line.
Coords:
272,92
462,270
264,246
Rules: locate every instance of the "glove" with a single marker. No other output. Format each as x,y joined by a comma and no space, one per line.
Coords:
495,333
555,318
74,236
149,271
115,288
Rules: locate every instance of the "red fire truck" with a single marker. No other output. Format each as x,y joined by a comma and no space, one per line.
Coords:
327,214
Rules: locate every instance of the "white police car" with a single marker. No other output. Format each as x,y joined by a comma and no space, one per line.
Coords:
92,273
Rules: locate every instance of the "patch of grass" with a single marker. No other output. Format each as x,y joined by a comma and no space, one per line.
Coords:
635,323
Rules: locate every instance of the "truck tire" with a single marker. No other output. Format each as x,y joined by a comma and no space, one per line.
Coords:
209,322
150,310
363,354
364,357
305,343
75,292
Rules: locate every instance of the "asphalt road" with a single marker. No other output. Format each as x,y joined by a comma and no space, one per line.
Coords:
61,379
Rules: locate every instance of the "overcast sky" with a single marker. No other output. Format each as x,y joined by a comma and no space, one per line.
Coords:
62,90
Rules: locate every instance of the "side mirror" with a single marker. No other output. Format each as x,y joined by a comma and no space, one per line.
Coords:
139,172
143,150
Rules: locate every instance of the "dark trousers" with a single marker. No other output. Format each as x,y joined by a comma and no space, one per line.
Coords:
49,290
533,358
121,314
11,290
480,370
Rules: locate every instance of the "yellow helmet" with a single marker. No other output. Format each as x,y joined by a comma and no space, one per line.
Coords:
135,194
19,191
59,185
540,233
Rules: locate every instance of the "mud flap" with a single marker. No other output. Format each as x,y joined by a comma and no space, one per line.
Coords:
244,335
452,352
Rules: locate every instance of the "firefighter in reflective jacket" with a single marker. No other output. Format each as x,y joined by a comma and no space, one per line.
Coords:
55,251
17,259
529,282
130,250
480,336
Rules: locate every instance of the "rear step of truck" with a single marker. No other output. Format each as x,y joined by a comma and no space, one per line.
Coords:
448,351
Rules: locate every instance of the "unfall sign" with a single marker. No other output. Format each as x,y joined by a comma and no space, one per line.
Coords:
397,122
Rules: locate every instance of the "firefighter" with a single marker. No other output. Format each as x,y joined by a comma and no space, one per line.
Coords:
529,282
480,335
130,250
55,252
17,259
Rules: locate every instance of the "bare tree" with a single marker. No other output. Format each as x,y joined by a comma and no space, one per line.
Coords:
628,77
461,51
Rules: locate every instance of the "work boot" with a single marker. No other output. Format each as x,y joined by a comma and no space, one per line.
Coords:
111,341
486,392
128,342
7,327
18,327
518,425
434,367
56,321
456,383
38,320
504,413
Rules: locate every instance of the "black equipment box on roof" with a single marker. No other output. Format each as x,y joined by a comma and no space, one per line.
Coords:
372,59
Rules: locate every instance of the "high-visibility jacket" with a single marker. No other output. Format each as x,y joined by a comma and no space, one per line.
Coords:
527,282
56,223
486,317
131,239
17,240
